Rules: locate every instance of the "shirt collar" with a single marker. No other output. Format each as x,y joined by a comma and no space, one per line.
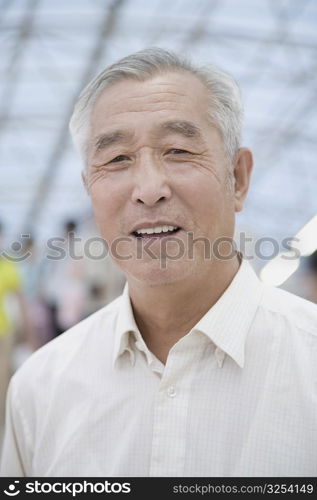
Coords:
126,330
226,323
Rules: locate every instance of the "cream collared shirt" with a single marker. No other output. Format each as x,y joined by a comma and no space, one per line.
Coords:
237,396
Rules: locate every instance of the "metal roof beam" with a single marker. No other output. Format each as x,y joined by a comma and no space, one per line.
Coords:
107,27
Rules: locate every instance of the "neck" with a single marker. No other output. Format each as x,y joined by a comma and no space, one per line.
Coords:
165,313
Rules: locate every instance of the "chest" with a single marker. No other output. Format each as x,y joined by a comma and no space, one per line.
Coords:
194,420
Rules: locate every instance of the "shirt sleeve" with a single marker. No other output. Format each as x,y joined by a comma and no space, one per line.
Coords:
14,460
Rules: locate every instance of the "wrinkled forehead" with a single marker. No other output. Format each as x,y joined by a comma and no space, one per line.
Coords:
177,95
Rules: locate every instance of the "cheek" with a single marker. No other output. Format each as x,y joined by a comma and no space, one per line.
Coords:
210,205
204,196
106,207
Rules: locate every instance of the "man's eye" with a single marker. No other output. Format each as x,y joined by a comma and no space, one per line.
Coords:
119,158
178,151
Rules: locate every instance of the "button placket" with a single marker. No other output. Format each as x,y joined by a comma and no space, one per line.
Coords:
170,413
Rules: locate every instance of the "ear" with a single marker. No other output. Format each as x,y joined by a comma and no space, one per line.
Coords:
243,164
85,180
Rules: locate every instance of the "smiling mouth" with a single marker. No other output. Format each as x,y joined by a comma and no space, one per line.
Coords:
156,232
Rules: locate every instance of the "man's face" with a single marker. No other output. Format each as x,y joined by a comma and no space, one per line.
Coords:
155,160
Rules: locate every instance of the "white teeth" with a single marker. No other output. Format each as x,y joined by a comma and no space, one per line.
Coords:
157,229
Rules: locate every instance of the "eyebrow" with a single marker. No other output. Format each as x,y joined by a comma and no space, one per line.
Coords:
105,140
184,128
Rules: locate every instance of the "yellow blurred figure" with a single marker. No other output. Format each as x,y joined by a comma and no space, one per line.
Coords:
9,282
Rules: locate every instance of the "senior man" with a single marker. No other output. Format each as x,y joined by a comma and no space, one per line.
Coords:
198,369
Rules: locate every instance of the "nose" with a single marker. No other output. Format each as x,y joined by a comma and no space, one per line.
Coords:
150,183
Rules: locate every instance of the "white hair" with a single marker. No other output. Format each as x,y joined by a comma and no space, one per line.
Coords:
225,111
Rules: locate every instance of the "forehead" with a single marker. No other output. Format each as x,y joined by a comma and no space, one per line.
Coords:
171,95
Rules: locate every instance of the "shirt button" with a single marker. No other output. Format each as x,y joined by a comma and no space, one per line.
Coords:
171,391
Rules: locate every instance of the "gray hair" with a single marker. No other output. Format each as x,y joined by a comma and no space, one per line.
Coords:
226,110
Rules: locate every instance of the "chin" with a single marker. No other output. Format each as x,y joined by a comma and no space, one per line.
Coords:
159,273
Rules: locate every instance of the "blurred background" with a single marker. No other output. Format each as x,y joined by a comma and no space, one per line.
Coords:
49,52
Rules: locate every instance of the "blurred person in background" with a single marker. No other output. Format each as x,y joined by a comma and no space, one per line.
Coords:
31,271
96,298
197,369
63,280
303,282
311,277
10,285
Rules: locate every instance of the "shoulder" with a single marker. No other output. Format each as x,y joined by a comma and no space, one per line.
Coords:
291,309
74,349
